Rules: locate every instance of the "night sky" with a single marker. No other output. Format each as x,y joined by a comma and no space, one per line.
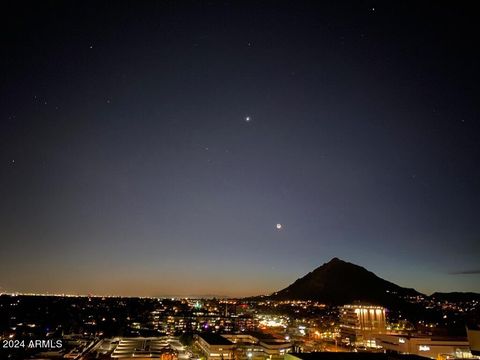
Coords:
151,148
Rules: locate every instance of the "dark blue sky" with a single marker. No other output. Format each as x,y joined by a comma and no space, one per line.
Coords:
128,166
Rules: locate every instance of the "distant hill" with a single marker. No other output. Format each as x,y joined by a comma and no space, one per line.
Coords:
339,282
456,297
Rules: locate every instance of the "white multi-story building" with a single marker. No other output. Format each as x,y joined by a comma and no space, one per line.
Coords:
360,323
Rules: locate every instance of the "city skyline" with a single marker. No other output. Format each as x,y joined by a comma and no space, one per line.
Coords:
185,294
230,148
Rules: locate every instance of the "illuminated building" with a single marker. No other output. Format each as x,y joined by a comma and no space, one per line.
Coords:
214,346
257,346
245,323
144,348
253,346
360,323
437,348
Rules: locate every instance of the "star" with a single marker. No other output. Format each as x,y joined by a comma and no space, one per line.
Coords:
279,226
248,118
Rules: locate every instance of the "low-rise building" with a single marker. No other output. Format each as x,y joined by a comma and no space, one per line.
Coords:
214,346
144,348
259,346
435,348
244,346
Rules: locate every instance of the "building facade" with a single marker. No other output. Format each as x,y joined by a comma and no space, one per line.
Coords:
435,348
359,324
214,346
242,346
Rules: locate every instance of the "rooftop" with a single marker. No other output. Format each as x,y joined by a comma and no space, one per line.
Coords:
215,339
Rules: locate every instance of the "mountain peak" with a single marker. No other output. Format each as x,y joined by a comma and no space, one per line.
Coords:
339,265
340,282
336,262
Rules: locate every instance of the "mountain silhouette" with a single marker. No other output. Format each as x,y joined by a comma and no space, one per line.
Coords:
339,282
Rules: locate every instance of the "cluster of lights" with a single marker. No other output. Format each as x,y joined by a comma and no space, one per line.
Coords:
268,321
